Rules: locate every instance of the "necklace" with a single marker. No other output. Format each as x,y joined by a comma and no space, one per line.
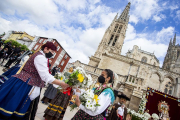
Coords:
102,87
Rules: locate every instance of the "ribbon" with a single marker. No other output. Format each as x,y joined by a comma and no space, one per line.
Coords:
48,67
68,91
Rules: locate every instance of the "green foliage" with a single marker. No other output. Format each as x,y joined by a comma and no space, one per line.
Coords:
72,107
135,118
15,43
73,79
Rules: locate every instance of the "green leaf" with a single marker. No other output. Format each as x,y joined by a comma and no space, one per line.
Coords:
67,80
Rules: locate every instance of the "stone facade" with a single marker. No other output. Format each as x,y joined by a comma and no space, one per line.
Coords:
136,71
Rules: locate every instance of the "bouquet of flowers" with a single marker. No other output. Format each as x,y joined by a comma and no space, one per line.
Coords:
79,78
88,99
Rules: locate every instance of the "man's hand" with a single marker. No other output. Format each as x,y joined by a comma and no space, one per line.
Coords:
64,85
77,101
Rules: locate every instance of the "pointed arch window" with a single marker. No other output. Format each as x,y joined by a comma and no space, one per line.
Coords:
168,88
112,36
116,27
144,59
115,40
120,27
178,53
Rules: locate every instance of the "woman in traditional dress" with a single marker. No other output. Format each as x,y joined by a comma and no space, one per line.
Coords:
58,106
17,94
105,96
13,70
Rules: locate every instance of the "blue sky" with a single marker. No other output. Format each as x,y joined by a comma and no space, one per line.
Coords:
79,25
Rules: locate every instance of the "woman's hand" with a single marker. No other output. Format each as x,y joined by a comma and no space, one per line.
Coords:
77,101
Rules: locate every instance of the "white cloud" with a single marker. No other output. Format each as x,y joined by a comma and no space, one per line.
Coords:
156,18
159,18
165,34
178,14
131,33
41,11
133,19
144,9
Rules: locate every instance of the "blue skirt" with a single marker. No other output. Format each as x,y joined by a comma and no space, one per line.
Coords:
5,76
14,99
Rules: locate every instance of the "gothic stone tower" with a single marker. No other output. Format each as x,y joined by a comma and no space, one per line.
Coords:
113,38
172,55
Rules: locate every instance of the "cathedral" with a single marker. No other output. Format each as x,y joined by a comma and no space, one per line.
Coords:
137,70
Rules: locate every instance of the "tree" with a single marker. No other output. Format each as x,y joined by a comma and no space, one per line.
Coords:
15,43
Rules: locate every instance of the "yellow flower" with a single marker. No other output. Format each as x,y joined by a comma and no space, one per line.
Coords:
80,77
96,98
61,78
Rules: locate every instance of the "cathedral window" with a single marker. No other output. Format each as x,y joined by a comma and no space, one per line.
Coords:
120,27
115,41
144,59
168,88
116,27
178,54
112,36
154,64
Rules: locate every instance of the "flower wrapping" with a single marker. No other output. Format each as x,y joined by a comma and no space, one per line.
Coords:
89,100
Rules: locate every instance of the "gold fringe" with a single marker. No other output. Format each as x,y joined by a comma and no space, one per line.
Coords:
54,109
9,112
56,106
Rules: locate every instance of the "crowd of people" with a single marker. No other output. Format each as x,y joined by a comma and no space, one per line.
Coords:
9,53
21,85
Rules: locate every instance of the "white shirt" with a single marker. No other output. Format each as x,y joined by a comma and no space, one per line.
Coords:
120,111
104,101
41,64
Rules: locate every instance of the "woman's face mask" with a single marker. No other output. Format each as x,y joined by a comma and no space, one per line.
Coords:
101,79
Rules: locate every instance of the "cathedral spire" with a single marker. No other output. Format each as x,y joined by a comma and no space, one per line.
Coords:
125,14
170,42
174,40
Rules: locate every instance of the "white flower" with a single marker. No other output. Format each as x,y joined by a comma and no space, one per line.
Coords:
80,70
87,105
90,93
155,116
89,101
84,81
147,115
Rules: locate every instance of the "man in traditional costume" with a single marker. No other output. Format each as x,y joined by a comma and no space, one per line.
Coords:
17,95
114,115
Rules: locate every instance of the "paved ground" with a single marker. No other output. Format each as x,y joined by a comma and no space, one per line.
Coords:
41,107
